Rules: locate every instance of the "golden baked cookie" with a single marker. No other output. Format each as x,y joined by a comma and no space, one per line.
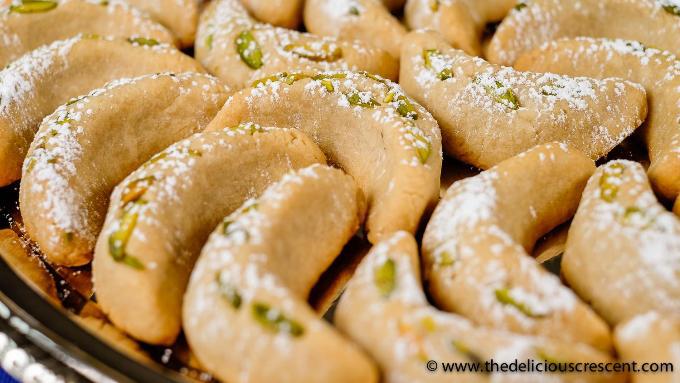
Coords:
655,23
28,24
460,22
623,249
658,71
650,338
363,20
161,215
281,13
489,113
86,147
36,84
179,16
476,245
364,124
250,285
385,310
240,50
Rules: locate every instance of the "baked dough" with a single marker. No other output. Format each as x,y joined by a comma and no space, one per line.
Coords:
658,71
460,22
161,215
655,23
281,13
36,84
364,124
364,20
476,246
621,237
77,158
239,50
649,338
179,16
385,310
28,24
250,285
490,113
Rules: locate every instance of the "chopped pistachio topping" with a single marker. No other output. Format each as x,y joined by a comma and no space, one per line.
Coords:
33,6
249,50
428,323
404,107
325,52
276,321
672,9
118,241
520,5
546,357
354,11
373,77
148,42
209,41
499,93
444,259
551,89
285,77
228,291
423,147
249,127
609,182
67,236
465,350
31,164
434,5
505,297
136,189
385,277
437,62
75,99
363,99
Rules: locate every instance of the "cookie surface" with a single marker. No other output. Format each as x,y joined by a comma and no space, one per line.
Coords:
161,215
69,173
489,113
250,285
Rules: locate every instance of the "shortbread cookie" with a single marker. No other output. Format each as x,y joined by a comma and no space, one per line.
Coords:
363,20
36,84
77,158
623,250
490,113
28,24
476,245
460,22
250,285
364,124
650,338
385,310
658,71
161,215
239,50
655,23
281,13
179,16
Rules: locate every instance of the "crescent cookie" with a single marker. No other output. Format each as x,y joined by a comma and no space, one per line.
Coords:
650,338
69,173
364,20
655,23
658,71
239,50
385,310
490,113
621,237
250,285
161,215
36,84
364,124
28,24
460,22
281,13
476,245
179,16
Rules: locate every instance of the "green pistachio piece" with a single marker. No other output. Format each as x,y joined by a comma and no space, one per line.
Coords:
373,77
428,323
444,259
67,236
672,9
75,100
546,357
209,41
465,350
327,80
285,77
503,296
249,127
609,187
423,148
354,11
550,89
249,50
275,321
434,5
326,52
520,5
355,98
229,292
143,41
118,241
404,107
385,277
31,165
429,56
33,6
506,98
